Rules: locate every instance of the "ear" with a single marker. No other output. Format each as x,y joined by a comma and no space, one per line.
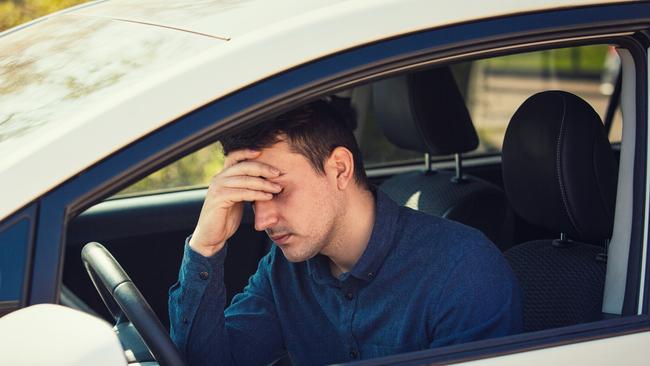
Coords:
339,166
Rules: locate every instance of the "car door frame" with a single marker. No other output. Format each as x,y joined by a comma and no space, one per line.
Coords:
344,69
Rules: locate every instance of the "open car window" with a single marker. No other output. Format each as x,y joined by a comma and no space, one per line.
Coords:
493,88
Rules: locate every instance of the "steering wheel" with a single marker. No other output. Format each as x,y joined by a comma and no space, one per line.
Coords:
126,303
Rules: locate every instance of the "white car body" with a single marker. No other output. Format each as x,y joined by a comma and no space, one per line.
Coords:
69,338
143,64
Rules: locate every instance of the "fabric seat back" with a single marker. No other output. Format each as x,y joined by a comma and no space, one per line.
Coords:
425,112
560,173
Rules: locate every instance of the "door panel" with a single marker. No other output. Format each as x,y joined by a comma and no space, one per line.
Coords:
631,349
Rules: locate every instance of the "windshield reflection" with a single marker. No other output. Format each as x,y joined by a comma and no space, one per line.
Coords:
66,65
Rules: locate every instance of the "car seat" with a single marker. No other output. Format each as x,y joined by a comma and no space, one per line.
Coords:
559,172
424,111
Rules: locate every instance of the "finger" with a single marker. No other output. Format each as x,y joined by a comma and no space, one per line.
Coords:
235,195
237,156
254,183
253,169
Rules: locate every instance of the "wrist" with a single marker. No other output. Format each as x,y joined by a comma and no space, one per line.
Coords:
203,249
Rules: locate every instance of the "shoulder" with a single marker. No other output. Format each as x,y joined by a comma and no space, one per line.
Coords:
439,235
443,247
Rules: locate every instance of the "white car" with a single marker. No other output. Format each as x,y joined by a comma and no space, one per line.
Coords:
97,97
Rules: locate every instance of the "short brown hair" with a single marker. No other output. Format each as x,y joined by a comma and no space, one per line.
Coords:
313,130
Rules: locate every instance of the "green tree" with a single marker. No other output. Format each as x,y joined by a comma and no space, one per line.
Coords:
16,12
193,170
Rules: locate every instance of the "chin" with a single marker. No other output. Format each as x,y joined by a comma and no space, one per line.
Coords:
295,256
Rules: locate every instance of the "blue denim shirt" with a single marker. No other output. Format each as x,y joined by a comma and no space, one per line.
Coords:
422,282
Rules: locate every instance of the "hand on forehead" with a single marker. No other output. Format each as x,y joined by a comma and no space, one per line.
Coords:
279,156
252,163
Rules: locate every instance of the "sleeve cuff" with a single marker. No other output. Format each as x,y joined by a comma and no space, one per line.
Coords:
196,267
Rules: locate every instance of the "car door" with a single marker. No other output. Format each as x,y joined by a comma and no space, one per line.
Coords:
133,226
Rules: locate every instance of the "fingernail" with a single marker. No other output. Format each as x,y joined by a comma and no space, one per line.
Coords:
275,170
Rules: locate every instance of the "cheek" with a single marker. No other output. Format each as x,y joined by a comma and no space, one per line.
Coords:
307,207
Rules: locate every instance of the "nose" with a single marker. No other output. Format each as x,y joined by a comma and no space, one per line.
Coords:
265,214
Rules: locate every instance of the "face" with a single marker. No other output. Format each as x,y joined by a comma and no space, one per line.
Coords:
301,219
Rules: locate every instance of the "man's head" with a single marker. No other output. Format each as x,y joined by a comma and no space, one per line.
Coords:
313,130
320,164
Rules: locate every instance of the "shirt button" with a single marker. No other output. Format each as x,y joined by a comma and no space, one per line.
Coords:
354,354
349,296
371,275
204,275
185,321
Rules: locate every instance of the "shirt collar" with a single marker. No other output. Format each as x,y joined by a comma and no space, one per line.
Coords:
380,243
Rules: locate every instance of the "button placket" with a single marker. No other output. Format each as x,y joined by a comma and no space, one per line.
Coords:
349,293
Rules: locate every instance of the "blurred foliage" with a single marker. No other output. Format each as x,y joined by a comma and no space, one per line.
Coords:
585,60
194,170
15,12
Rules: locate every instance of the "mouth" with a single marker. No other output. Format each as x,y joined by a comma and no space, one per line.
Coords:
281,239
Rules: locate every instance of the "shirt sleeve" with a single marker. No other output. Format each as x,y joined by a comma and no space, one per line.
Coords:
247,333
481,300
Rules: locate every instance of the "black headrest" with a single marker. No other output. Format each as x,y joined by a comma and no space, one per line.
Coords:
559,170
424,111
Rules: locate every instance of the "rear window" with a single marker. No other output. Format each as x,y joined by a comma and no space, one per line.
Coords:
494,88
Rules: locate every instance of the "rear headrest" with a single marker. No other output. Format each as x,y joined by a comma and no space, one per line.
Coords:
559,170
424,111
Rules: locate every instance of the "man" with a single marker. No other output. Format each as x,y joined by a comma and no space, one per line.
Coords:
351,275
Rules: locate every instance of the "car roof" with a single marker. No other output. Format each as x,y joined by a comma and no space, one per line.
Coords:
80,84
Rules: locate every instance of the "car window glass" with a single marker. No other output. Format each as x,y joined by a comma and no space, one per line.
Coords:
494,88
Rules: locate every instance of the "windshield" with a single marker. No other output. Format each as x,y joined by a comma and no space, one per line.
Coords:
54,72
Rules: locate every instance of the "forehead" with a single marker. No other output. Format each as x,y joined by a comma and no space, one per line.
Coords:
281,156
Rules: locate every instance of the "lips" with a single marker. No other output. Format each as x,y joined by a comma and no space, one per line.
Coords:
281,239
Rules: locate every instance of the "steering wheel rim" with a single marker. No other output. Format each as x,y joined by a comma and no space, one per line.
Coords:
126,303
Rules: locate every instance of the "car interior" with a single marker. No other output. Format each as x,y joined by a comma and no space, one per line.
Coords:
525,147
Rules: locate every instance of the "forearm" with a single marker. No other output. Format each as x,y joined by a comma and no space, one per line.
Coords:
247,333
196,304
197,300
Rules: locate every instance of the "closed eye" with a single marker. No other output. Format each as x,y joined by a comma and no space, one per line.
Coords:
279,194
